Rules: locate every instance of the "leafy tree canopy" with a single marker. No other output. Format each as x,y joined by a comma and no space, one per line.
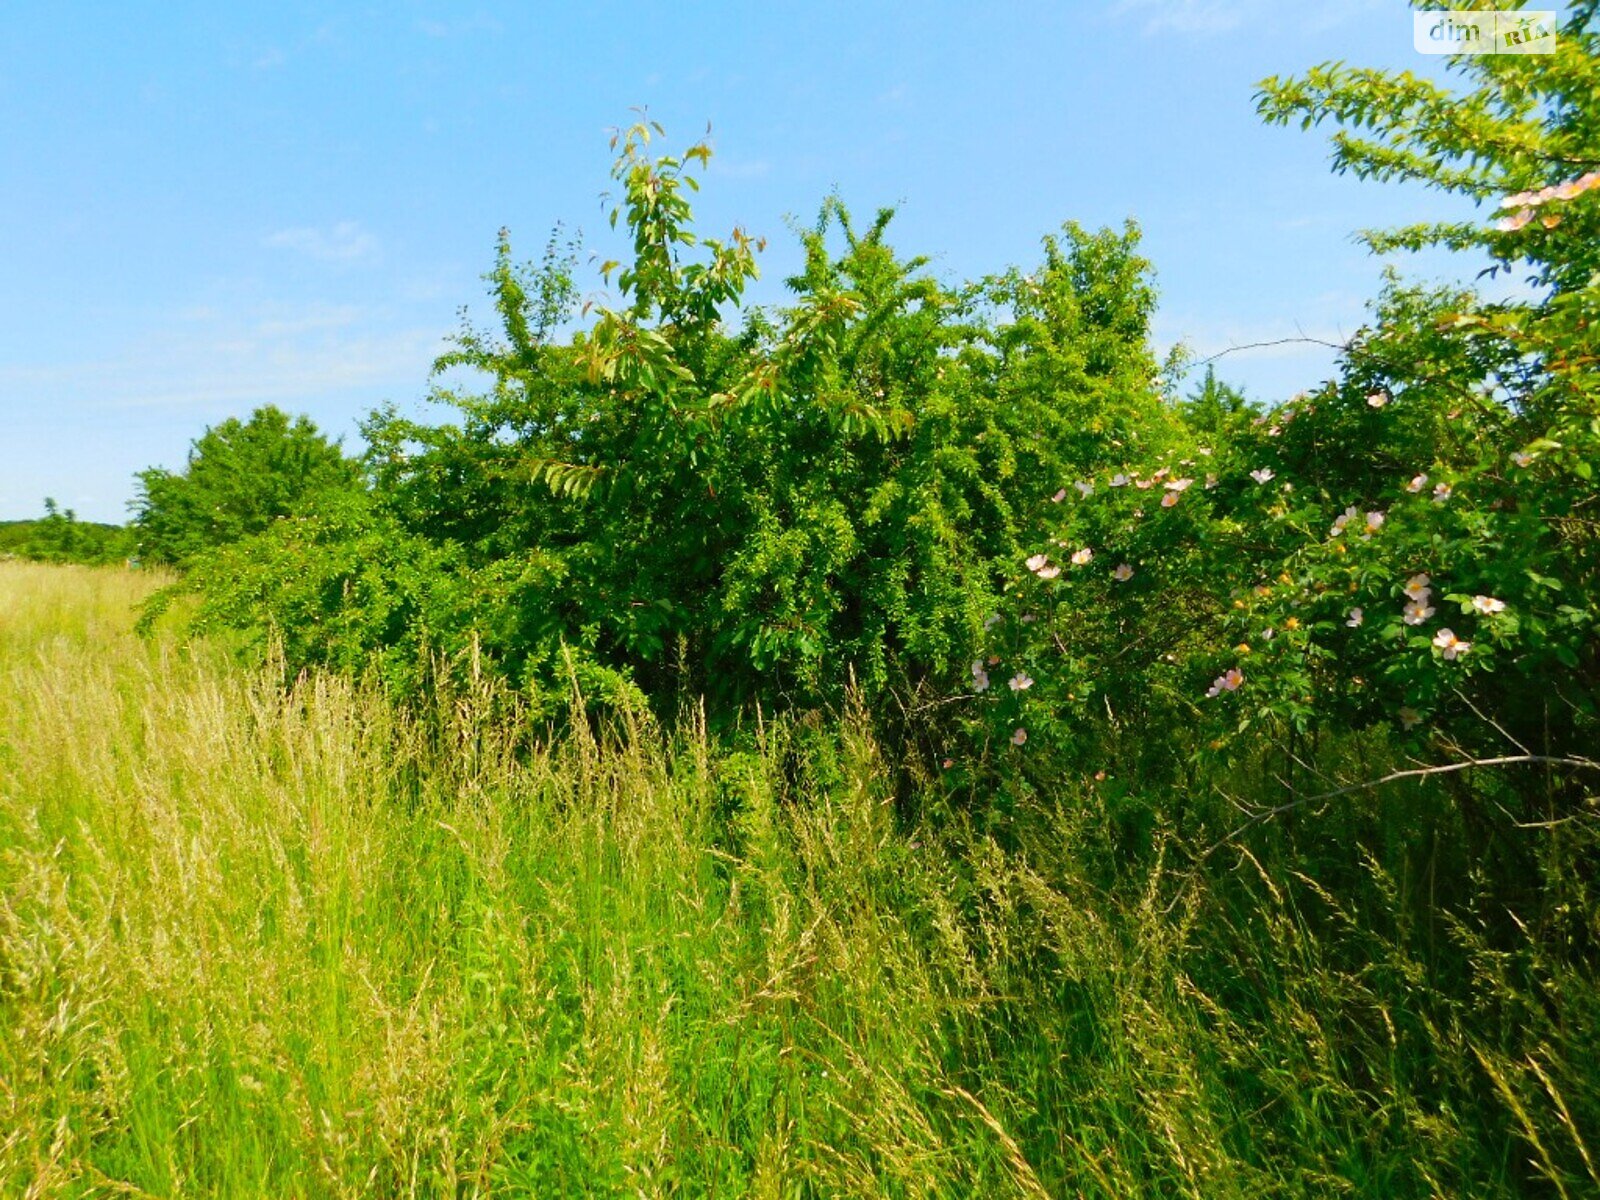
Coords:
240,477
692,496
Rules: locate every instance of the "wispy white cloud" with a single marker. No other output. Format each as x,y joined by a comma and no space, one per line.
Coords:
1202,17
280,321
80,428
477,23
1330,14
209,361
345,241
733,167
1185,16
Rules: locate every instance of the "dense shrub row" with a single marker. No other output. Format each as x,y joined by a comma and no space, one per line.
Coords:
981,505
983,500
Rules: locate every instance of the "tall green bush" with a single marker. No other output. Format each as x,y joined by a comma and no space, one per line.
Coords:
695,497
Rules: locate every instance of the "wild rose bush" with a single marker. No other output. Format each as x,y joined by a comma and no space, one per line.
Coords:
1412,544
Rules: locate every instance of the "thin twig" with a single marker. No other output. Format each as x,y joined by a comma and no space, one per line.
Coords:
1266,814
1287,341
1499,728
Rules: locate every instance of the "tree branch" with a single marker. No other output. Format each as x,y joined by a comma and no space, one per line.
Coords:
1286,341
1262,815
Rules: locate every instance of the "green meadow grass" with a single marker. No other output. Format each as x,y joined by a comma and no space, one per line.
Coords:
258,941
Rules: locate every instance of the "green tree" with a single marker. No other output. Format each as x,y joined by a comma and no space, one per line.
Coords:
770,508
1215,407
695,497
239,479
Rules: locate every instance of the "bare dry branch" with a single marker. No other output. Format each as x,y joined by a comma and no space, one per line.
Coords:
1262,815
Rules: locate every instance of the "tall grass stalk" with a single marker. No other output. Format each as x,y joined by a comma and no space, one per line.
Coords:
257,941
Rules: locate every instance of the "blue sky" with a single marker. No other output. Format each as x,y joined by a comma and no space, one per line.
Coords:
205,208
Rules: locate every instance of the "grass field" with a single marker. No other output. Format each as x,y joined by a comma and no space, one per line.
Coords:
257,942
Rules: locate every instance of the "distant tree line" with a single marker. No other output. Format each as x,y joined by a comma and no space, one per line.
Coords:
59,537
